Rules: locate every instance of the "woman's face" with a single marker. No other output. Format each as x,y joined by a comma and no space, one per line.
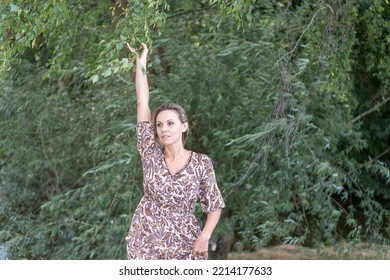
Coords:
169,127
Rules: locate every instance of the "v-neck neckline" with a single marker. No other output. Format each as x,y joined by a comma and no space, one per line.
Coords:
181,169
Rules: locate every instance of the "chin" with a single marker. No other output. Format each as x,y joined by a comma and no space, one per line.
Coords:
165,143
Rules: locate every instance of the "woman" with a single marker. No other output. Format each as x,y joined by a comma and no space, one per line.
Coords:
164,225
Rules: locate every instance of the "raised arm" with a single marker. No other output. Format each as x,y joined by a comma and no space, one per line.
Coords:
141,85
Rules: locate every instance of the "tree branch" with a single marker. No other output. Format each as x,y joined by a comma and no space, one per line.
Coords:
381,154
192,11
303,33
372,160
370,111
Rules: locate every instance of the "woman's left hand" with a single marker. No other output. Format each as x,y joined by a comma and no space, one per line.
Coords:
141,59
201,246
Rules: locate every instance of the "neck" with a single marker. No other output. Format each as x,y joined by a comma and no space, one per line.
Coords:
173,152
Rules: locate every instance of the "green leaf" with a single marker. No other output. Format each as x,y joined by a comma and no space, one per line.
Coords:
126,64
94,78
119,46
14,8
107,72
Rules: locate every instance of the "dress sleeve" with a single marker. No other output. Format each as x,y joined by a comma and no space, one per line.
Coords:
209,194
146,140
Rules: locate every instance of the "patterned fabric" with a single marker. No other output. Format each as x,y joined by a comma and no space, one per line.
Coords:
164,225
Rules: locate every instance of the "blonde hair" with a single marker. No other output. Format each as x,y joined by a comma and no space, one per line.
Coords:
180,112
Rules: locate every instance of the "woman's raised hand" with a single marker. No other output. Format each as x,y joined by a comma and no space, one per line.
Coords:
141,59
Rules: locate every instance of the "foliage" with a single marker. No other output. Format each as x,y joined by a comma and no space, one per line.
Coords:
289,98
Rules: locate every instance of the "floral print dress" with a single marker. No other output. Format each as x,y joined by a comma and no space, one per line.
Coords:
164,225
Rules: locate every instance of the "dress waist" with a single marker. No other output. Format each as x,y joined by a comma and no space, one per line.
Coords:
166,209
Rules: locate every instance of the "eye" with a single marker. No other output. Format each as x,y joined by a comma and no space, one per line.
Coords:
170,123
159,124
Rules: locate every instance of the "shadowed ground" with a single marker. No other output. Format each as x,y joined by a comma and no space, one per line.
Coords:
341,252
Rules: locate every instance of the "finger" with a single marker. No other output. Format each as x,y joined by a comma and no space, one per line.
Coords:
130,48
201,252
144,46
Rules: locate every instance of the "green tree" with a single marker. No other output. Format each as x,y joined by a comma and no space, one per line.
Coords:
289,98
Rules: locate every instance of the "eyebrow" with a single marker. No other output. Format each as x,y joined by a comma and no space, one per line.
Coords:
166,120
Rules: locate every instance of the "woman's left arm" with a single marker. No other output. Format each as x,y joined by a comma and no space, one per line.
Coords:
201,244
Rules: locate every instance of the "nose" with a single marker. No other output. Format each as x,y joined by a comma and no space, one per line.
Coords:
163,128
